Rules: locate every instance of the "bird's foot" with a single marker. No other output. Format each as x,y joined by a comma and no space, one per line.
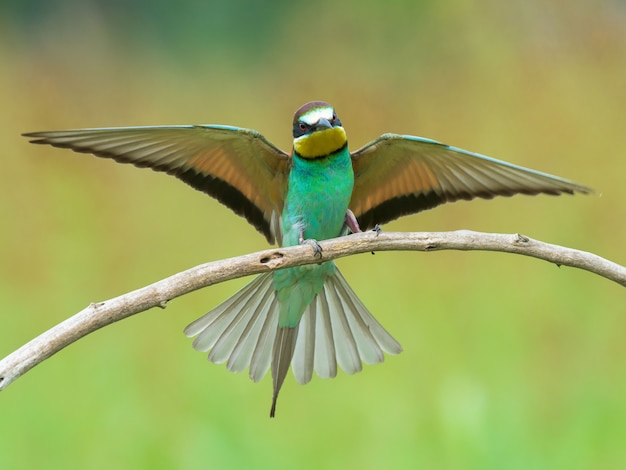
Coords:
378,231
317,249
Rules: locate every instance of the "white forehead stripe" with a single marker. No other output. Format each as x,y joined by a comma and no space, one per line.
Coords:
316,114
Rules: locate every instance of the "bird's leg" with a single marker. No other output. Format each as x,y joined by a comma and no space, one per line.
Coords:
351,222
317,249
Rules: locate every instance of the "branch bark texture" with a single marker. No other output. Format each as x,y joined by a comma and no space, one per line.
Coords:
100,314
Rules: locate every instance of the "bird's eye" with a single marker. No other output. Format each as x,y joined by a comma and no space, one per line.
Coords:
334,118
302,126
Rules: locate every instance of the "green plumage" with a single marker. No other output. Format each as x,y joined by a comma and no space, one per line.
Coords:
318,194
306,317
317,199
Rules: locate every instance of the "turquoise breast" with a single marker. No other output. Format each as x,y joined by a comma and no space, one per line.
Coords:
317,200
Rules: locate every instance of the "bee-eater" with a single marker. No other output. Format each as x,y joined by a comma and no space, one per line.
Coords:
305,316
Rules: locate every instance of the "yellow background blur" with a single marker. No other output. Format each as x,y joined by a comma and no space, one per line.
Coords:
509,362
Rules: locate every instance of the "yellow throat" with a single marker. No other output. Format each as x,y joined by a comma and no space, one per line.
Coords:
320,143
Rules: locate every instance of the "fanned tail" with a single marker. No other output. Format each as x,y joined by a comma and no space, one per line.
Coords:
336,328
241,330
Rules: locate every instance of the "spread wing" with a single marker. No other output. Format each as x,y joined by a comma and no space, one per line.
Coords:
398,175
238,167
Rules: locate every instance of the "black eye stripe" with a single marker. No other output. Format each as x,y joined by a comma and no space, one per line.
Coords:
301,128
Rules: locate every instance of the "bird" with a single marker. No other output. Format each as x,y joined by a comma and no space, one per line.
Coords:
306,317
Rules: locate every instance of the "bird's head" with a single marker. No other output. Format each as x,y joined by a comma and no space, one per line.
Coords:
317,131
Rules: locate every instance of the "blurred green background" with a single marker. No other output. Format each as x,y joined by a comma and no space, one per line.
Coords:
509,362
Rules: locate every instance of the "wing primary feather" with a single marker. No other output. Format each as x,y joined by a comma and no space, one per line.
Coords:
398,175
238,167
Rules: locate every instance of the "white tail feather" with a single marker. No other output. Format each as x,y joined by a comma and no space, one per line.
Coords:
367,323
336,328
241,330
345,332
325,356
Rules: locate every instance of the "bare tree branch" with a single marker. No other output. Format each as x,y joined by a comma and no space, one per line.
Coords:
100,314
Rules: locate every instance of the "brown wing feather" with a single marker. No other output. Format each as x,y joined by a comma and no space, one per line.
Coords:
399,175
238,167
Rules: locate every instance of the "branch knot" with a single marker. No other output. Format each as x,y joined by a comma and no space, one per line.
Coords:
520,239
273,260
